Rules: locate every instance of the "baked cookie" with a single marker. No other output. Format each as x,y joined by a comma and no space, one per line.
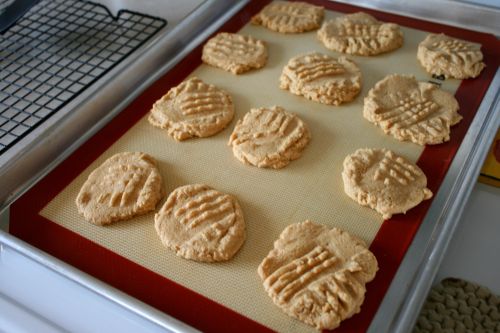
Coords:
234,53
322,78
192,109
200,223
384,181
360,34
290,17
443,55
410,110
317,274
125,185
269,138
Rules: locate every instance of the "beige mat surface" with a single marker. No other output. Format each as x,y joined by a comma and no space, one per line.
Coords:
309,188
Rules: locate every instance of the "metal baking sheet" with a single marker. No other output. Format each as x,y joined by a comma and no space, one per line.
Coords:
308,188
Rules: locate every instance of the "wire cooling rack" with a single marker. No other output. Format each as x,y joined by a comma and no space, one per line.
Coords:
56,51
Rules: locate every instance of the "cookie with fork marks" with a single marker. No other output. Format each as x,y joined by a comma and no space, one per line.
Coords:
200,223
125,185
410,110
384,181
360,34
269,138
317,274
290,17
234,53
322,78
192,109
443,55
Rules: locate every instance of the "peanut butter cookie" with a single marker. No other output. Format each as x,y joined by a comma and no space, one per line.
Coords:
384,181
451,57
200,223
193,109
269,138
410,110
322,78
317,274
125,185
360,34
290,17
234,53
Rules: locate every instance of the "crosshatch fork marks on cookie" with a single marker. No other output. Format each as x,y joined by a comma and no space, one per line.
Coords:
318,67
453,45
271,125
129,188
239,45
199,103
289,279
365,32
207,206
318,276
392,168
362,36
409,112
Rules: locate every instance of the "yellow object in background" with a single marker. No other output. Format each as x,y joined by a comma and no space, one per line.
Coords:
490,173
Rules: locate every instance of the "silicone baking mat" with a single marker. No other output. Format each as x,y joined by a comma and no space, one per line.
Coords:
229,296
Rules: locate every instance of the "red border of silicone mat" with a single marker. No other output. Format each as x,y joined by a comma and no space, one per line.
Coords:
181,302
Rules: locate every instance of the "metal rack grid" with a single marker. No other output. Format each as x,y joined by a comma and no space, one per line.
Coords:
57,50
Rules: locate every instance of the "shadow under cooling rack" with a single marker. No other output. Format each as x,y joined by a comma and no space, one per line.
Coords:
57,50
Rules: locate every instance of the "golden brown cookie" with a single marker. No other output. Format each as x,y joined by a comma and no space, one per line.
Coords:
322,78
200,223
384,181
192,109
317,274
234,53
360,34
443,55
125,185
269,138
410,110
290,17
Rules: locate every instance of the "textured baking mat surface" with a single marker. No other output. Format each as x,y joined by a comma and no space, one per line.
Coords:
308,188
